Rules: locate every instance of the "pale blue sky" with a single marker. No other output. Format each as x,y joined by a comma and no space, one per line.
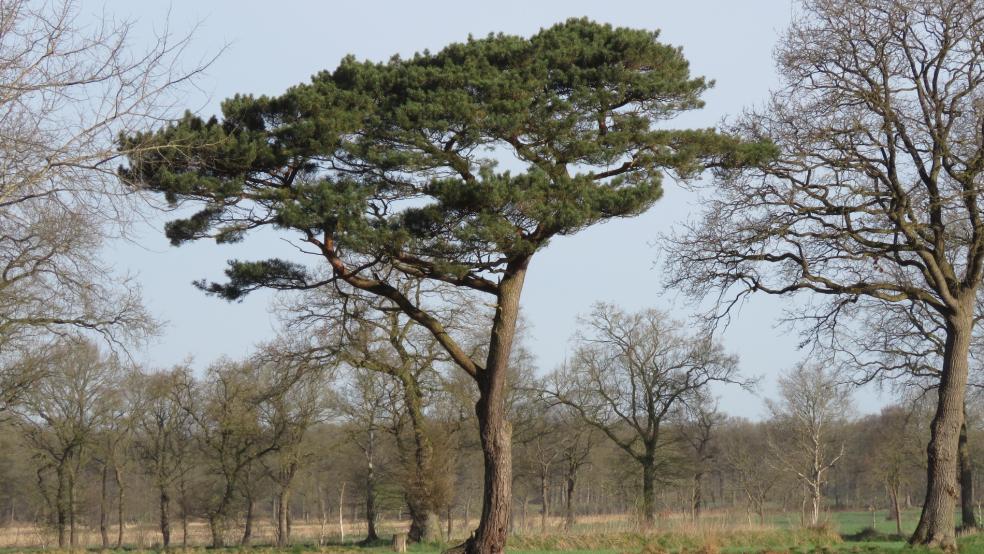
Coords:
272,45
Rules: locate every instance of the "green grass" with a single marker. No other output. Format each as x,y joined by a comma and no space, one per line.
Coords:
848,532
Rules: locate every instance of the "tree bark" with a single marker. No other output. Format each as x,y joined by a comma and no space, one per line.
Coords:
103,506
424,522
165,504
120,494
697,500
896,508
283,507
936,523
494,428
968,518
248,527
216,524
648,492
371,535
569,515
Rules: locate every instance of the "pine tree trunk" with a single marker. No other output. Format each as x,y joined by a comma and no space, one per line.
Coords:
968,516
494,428
936,523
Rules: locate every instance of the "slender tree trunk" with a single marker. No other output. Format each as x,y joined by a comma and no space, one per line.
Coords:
165,504
494,428
72,538
569,515
103,507
371,535
341,512
968,518
183,491
544,504
120,494
896,508
248,527
815,496
697,499
936,523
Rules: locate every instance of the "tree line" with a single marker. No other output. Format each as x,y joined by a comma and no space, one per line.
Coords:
289,435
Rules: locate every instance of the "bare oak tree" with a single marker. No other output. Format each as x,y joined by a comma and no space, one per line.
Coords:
629,373
874,194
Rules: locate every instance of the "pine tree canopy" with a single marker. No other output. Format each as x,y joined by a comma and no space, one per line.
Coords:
393,166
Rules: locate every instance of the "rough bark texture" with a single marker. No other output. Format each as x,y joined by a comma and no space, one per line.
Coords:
494,428
968,516
936,524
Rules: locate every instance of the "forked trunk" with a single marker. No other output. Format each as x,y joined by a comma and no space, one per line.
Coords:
968,518
494,428
283,508
896,508
570,517
936,524
697,500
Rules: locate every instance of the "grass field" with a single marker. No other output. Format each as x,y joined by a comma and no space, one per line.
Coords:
847,532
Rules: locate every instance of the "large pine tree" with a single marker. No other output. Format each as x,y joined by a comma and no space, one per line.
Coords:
388,171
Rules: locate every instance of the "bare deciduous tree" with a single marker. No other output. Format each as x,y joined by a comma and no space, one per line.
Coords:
59,417
163,436
875,194
810,404
630,371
